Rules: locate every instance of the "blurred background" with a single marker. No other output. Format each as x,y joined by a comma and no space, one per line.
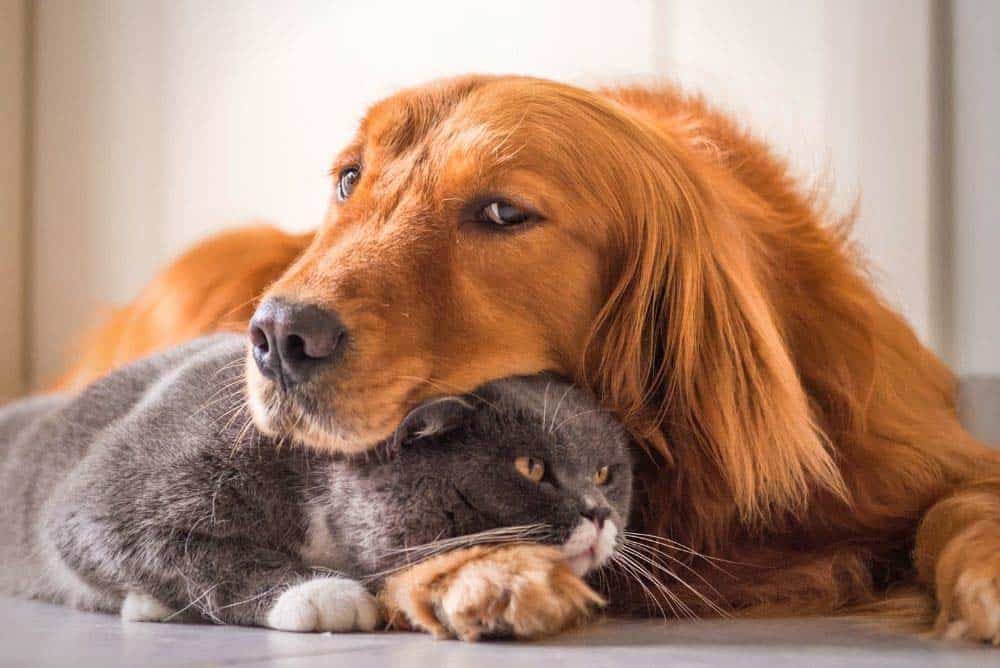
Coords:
131,128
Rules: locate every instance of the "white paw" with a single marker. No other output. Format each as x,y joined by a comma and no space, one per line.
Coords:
139,607
325,604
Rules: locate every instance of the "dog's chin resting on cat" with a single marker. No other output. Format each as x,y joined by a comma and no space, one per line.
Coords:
150,493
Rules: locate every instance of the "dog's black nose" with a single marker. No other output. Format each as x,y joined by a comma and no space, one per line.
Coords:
291,341
597,515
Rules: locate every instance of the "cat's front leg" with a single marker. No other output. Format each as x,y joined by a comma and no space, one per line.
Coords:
167,574
319,604
520,591
139,606
327,603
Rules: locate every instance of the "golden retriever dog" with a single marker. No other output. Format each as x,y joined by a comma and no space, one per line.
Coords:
641,243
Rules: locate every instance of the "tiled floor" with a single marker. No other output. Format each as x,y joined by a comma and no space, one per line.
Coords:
36,634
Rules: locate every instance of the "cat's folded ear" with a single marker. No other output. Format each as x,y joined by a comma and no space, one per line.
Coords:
432,418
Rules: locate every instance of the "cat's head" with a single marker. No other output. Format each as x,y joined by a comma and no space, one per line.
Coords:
527,458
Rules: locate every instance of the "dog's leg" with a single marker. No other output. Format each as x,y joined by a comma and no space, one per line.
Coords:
958,557
521,591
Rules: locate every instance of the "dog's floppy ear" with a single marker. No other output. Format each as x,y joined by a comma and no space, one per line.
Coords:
434,417
690,346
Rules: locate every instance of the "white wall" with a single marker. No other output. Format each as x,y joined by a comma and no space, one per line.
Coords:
13,31
976,186
157,122
98,151
845,89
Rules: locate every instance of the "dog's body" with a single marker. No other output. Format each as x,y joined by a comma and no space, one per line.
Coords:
660,256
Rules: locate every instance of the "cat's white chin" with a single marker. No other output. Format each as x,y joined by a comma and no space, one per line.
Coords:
588,547
581,564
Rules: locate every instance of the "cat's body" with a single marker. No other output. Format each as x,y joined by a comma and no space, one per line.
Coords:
148,493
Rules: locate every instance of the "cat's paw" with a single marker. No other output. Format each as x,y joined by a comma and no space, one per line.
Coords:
324,604
968,589
140,607
523,591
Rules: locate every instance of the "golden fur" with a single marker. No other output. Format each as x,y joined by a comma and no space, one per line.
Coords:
199,293
524,590
791,420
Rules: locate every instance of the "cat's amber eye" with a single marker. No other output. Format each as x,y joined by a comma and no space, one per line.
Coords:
601,476
531,468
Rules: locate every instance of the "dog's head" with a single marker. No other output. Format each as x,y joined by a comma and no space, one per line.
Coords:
467,239
486,227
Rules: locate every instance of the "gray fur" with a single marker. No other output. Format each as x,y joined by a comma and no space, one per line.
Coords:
153,481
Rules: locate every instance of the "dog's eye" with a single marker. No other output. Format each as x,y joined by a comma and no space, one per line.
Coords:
531,468
346,182
503,214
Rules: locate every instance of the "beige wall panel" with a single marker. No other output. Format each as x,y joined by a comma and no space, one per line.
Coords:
13,66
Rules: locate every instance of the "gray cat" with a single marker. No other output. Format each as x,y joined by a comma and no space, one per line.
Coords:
149,493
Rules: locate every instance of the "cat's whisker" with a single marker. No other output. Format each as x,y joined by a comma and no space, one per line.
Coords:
499,536
516,528
425,551
644,558
659,547
627,572
659,585
603,574
637,574
267,592
410,560
580,414
555,413
650,551
667,542
520,531
627,569
194,603
545,402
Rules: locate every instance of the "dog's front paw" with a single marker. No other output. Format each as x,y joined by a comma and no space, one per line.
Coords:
968,585
324,604
524,591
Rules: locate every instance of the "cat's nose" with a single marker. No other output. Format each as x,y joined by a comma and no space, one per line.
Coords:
597,515
292,341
